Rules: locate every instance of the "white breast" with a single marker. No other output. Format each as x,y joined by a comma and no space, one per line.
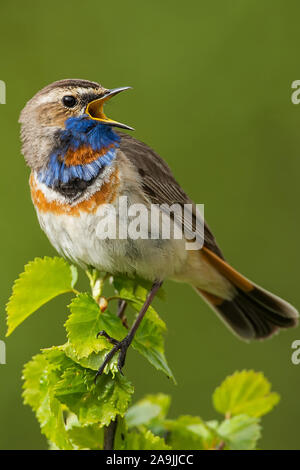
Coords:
78,238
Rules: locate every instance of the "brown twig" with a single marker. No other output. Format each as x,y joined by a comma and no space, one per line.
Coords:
220,446
109,435
122,304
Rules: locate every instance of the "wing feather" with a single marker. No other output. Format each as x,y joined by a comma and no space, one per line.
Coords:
159,183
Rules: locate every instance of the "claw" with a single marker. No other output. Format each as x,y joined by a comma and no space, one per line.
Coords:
122,356
109,338
107,359
121,346
101,333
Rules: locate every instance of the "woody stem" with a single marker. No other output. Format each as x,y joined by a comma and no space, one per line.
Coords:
109,435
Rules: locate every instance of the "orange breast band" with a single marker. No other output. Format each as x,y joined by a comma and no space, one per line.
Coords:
106,195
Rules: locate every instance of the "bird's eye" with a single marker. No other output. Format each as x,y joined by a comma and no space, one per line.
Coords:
69,101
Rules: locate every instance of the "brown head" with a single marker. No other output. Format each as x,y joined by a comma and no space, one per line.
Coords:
45,115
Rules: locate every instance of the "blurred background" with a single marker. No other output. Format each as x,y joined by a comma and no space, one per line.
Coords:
212,95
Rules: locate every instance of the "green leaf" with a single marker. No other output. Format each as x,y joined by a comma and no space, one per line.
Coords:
124,285
88,437
93,403
149,342
42,280
54,383
245,392
141,439
145,440
137,439
40,377
240,432
93,361
189,433
152,407
85,321
149,338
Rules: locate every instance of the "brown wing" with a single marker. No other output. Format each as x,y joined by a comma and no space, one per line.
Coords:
159,183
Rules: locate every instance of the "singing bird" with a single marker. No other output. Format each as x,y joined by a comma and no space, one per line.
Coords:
80,164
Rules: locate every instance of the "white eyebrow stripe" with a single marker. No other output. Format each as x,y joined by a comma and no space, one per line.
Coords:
59,92
47,98
84,91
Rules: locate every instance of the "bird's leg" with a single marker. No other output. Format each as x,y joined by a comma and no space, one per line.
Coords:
123,345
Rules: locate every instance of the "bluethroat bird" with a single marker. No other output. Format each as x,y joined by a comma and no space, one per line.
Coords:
80,164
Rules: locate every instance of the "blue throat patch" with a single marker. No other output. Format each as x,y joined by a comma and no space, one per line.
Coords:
80,132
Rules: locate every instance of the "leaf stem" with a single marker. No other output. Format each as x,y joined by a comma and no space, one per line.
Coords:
113,297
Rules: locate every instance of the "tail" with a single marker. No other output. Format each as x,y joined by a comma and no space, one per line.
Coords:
253,313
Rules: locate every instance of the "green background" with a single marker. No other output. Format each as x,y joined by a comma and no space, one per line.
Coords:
212,95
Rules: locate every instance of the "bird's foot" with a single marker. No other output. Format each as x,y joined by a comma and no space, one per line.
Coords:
120,346
123,345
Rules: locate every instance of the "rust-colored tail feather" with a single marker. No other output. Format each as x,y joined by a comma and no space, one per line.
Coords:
253,313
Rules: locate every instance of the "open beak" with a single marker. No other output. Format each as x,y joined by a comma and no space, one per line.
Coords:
95,109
